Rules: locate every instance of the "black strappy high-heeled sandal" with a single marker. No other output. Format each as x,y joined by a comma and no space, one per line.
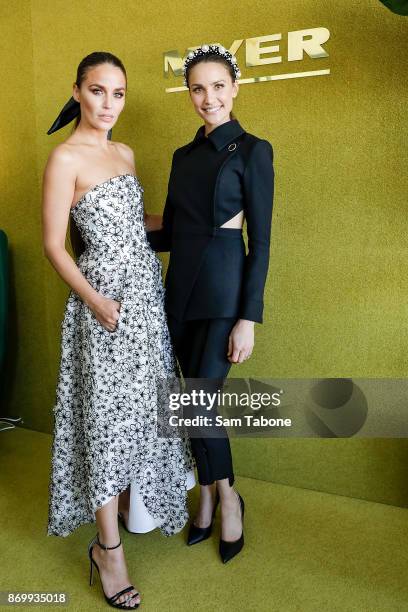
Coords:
199,534
110,600
228,550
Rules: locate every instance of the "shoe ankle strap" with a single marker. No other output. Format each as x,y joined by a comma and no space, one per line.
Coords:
107,547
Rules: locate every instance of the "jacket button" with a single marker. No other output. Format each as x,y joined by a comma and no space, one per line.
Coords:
232,147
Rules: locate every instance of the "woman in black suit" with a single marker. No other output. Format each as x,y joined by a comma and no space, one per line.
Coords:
214,290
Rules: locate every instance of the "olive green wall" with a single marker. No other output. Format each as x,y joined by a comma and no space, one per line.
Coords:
28,375
336,292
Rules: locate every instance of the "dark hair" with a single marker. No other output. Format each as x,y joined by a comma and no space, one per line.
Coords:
90,61
211,57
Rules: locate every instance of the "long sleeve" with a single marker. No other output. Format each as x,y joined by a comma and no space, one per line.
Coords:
258,190
160,240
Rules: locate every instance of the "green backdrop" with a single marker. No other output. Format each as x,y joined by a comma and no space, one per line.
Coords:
337,289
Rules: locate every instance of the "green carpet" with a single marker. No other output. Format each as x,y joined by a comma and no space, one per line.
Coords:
305,550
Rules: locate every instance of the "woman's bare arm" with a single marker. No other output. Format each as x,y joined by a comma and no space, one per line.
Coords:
58,191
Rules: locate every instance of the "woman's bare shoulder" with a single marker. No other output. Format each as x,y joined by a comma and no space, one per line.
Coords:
125,150
63,153
62,160
121,145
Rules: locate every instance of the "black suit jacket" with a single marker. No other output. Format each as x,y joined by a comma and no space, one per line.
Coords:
210,274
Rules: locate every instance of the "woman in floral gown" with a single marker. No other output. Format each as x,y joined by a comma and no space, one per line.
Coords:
115,344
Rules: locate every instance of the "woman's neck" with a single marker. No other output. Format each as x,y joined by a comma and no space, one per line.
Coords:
92,136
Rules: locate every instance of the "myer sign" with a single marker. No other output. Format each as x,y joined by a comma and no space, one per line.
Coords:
259,52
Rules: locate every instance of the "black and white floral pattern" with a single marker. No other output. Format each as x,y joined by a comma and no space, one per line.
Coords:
107,393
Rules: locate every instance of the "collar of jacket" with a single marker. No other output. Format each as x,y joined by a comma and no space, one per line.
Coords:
221,135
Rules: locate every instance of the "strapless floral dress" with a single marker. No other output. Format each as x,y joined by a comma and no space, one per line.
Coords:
105,414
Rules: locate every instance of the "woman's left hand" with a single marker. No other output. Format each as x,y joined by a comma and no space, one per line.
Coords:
241,341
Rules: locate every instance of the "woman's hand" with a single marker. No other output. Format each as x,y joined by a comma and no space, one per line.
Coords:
106,311
241,341
153,222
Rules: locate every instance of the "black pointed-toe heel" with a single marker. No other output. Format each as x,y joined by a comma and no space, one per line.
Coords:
199,534
228,550
110,600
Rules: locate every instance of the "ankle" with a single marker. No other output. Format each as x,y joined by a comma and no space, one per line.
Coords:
207,491
230,499
107,544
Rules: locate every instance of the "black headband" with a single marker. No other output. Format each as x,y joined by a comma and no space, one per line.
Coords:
71,110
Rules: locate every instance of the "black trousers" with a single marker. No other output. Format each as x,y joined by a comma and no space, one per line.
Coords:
201,350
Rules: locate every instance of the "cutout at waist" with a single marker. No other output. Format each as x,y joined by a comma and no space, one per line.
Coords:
236,222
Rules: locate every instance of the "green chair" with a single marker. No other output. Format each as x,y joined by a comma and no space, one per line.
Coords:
5,422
